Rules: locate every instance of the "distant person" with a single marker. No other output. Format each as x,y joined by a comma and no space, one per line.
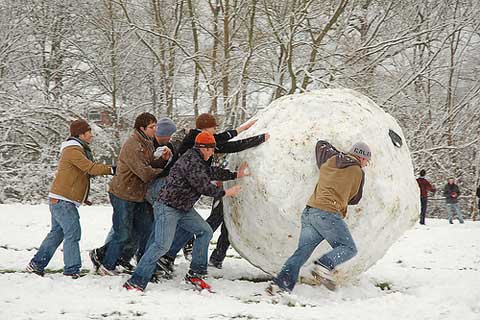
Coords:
451,193
425,187
68,191
340,184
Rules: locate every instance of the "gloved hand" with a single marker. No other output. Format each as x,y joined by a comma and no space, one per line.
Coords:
159,152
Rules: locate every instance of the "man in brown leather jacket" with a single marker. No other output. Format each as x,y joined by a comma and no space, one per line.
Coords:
128,189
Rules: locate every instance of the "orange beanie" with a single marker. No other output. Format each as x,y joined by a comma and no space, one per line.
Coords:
205,140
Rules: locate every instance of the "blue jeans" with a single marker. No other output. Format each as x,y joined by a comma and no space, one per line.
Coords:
65,227
454,210
215,220
153,190
166,221
129,218
318,225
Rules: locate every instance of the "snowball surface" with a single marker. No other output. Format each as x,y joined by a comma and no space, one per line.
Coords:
264,220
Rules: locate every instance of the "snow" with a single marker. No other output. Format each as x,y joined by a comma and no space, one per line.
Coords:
264,220
433,272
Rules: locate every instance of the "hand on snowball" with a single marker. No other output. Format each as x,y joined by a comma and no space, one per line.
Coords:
246,126
243,170
233,191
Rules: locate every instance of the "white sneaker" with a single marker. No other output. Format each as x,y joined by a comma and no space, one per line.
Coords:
323,276
106,272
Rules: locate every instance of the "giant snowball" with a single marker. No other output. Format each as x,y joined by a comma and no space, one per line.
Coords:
264,220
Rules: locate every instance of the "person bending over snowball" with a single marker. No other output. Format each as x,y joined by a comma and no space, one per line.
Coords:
340,184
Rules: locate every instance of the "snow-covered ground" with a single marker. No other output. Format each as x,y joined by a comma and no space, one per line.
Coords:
432,272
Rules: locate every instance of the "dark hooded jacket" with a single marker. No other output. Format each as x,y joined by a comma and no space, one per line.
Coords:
451,192
189,178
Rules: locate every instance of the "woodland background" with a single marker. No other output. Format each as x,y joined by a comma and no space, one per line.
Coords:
109,60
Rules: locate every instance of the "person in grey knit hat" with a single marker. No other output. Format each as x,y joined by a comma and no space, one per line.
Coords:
340,184
361,149
165,127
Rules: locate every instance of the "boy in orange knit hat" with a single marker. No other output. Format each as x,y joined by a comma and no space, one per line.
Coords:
189,178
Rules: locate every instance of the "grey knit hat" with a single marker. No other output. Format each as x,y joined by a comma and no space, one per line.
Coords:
360,149
165,127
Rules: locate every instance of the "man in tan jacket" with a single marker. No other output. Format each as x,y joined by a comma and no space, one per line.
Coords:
136,168
340,184
69,190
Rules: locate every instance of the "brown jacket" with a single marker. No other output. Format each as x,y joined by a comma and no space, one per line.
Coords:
72,179
340,181
134,169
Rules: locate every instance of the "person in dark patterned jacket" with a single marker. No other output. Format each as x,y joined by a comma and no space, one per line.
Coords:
189,178
207,122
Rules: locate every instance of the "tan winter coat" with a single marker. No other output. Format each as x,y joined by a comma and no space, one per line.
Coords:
134,169
340,182
72,179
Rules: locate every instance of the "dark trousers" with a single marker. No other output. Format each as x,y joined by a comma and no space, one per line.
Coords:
215,220
423,209
130,219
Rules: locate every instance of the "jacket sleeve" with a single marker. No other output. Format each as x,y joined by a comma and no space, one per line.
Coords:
356,199
445,192
324,151
457,190
187,143
430,187
80,160
240,145
137,163
223,137
199,179
220,174
159,163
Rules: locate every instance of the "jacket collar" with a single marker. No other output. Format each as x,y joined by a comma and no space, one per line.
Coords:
69,143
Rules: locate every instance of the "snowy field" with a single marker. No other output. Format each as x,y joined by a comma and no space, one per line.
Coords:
432,272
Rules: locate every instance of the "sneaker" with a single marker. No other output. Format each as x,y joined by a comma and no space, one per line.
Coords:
31,268
132,287
74,275
215,263
187,251
165,267
274,289
323,276
197,280
126,266
106,272
95,259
